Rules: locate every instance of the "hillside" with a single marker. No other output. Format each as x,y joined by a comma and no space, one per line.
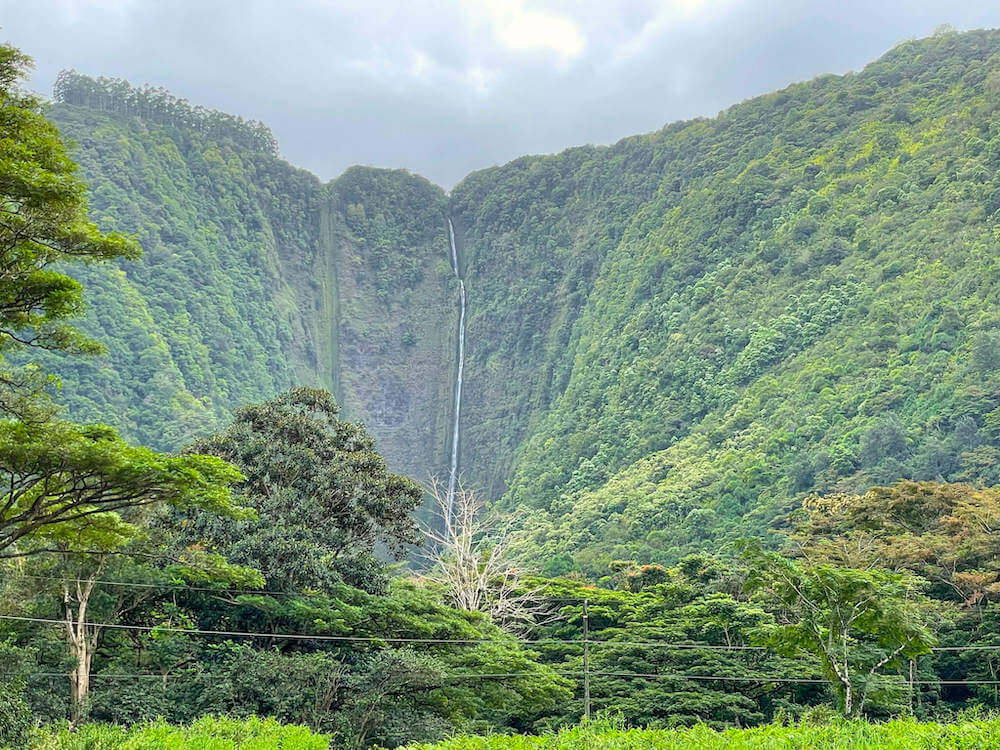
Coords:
255,277
669,340
808,302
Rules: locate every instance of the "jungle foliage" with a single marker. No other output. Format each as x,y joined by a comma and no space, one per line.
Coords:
677,337
780,319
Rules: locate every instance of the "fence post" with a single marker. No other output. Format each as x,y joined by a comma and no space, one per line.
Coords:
586,660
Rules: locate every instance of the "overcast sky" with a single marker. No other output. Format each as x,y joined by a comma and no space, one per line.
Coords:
444,87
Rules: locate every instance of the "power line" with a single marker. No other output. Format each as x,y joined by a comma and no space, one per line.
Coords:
215,590
383,639
576,673
248,634
435,641
173,586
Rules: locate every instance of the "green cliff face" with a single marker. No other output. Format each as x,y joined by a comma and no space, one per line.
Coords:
806,299
669,340
255,277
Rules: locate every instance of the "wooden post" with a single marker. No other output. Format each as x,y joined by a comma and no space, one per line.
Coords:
586,660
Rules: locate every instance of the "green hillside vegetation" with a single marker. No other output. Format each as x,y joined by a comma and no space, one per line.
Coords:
670,340
807,302
255,277
781,319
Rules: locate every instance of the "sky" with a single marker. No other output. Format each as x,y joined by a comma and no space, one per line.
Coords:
444,87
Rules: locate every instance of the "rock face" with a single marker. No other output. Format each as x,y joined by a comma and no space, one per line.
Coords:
668,340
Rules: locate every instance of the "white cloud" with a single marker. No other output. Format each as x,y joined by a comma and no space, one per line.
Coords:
521,29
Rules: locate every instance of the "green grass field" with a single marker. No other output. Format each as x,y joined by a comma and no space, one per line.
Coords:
266,734
206,734
894,735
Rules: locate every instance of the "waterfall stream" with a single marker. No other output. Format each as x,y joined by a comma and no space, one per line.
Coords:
453,475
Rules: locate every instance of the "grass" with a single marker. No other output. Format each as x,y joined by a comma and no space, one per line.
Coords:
220,733
210,733
901,734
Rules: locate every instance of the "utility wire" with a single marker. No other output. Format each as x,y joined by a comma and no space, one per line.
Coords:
440,641
172,586
379,639
247,634
578,673
215,590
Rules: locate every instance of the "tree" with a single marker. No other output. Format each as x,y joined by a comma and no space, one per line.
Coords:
855,622
323,495
89,604
945,533
468,553
68,485
43,223
79,495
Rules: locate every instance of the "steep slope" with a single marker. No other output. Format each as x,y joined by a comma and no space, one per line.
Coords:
255,277
809,301
668,340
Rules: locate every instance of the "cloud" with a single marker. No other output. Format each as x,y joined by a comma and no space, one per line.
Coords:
444,87
521,29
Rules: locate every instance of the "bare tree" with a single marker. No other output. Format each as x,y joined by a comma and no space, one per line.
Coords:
468,552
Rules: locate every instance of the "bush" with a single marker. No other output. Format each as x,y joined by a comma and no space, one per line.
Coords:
15,718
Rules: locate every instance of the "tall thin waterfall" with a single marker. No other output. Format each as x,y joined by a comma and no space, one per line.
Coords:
453,476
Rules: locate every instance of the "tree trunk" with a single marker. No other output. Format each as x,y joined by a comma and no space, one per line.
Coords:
82,641
79,678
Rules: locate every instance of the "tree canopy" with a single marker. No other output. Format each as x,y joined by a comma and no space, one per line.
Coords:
323,496
71,483
43,222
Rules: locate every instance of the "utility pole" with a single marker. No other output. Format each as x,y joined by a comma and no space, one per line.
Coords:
913,694
586,660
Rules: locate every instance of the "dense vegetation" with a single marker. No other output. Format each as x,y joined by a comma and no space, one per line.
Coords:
678,334
895,735
218,734
782,319
255,277
669,339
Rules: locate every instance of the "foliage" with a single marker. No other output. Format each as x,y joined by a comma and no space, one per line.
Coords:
856,622
43,223
671,339
322,493
15,715
899,734
71,484
367,660
676,336
217,733
944,533
677,652
158,105
256,277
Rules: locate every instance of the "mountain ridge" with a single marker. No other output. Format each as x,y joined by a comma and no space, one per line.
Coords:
651,324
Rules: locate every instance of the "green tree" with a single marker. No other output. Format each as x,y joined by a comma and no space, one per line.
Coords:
323,495
945,533
855,622
67,484
43,222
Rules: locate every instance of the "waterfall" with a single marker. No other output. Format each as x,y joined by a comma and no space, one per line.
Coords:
453,475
